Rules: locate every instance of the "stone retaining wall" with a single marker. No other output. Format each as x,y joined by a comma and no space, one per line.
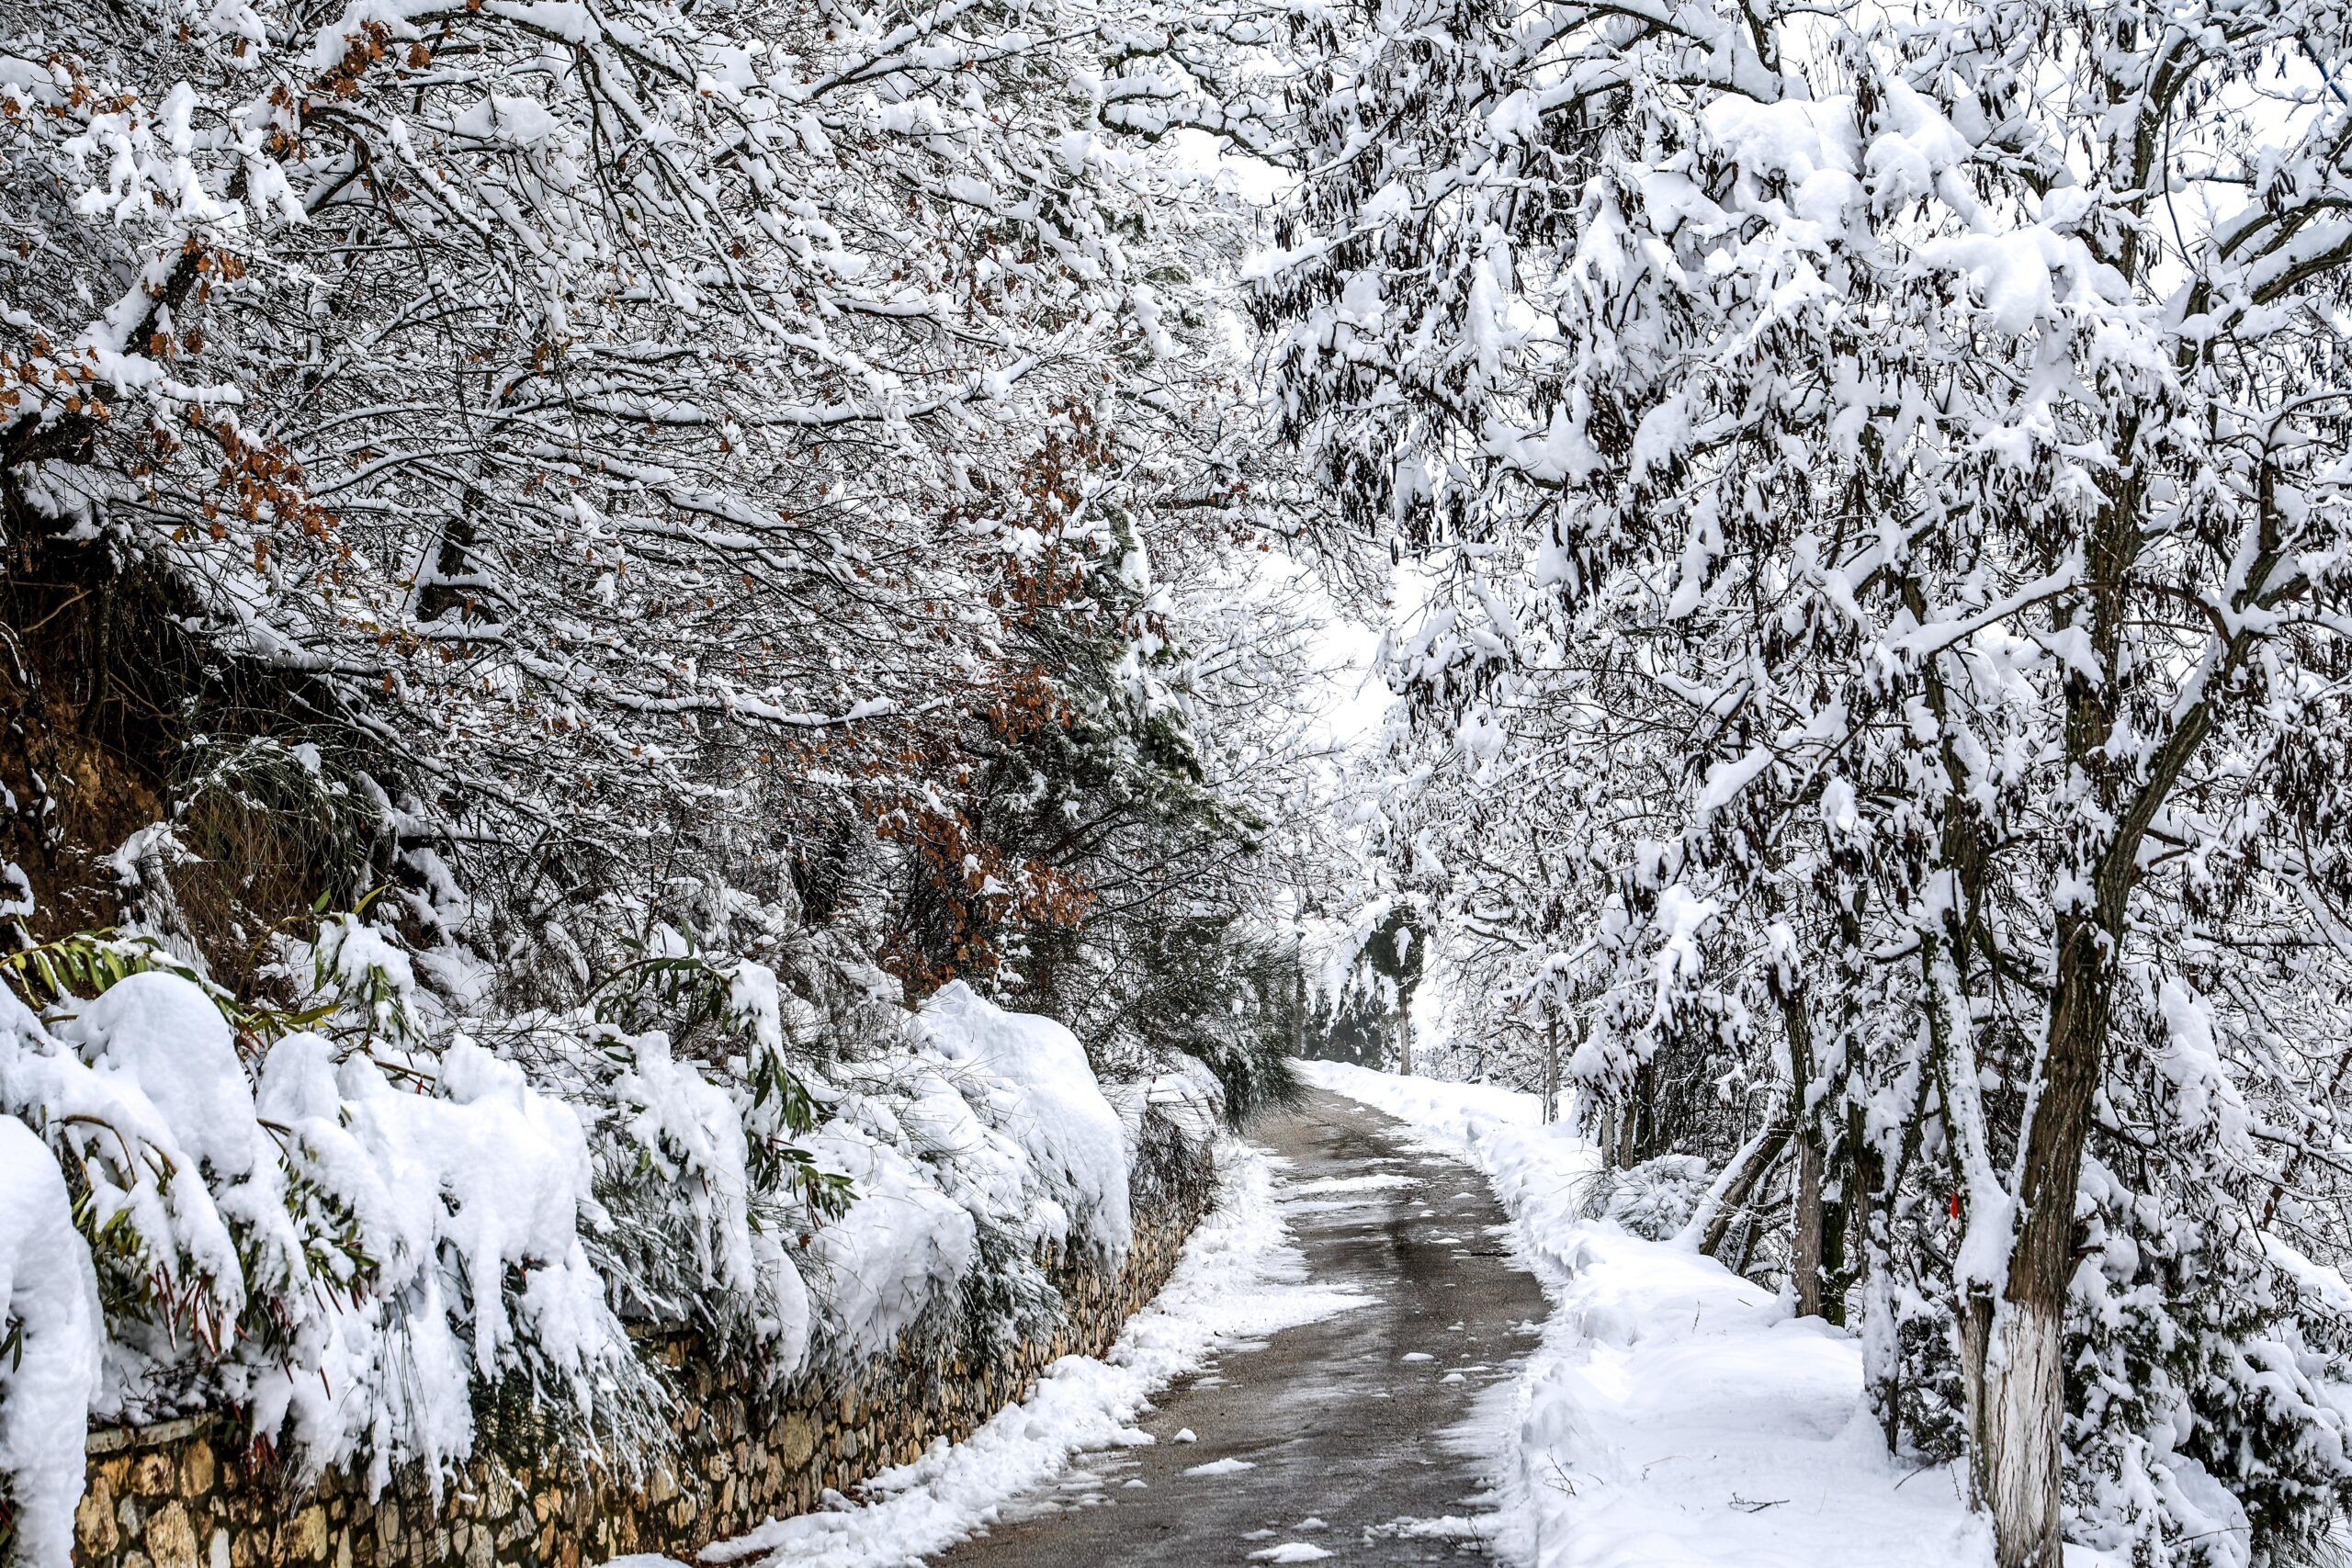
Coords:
192,1494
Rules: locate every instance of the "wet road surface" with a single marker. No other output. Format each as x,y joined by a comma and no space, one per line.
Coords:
1358,1441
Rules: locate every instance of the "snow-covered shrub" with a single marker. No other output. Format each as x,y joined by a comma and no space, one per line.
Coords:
2209,1400
704,1149
1181,1110
148,1163
1654,1199
1048,1103
262,823
1204,989
691,1239
351,1244
1917,1396
393,1245
1255,1073
980,1147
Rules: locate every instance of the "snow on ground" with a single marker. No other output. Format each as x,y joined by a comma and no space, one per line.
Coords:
1675,1414
1239,1279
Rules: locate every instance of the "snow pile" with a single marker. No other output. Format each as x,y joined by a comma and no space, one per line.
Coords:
49,1321
1049,1101
1239,1279
1674,1413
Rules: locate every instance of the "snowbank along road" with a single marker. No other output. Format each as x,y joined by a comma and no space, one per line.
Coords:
1361,1439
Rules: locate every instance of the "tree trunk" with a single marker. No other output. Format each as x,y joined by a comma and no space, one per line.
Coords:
1405,1035
1297,998
101,655
1806,1262
1711,1226
1641,1117
1843,1192
2018,1391
1807,1242
2016,1398
1550,1068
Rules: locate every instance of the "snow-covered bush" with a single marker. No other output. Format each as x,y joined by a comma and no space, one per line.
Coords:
391,1245
978,1147
2209,1397
349,1241
1654,1199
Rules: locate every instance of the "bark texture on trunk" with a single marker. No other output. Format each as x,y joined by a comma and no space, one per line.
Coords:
1976,1340
1809,1238
1298,1001
2022,1403
2018,1406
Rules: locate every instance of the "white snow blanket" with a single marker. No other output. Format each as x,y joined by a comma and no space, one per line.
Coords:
1675,1414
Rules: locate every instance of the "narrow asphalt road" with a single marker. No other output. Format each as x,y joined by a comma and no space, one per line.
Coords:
1351,1441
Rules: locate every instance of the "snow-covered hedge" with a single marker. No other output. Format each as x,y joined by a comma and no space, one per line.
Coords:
360,1226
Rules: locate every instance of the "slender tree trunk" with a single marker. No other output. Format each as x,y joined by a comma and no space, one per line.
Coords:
1727,1201
1749,1228
1297,998
1550,1068
2017,1388
1807,1242
1841,1172
101,654
1641,1116
1810,1233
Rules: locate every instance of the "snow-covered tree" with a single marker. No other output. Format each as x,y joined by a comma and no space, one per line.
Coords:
1918,433
597,422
